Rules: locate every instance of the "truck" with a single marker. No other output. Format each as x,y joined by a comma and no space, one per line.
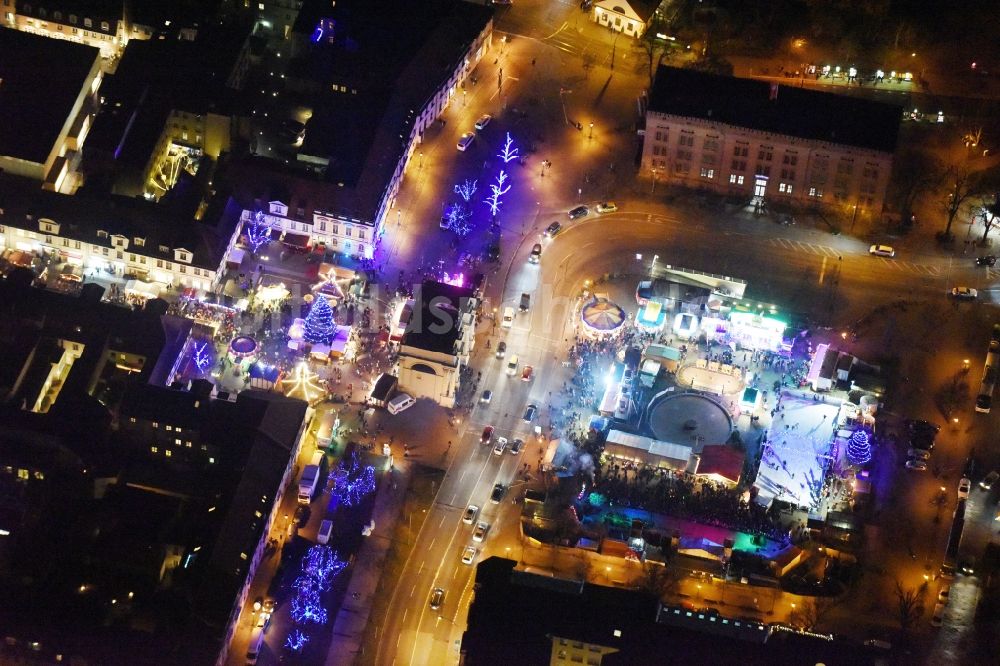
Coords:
324,432
310,478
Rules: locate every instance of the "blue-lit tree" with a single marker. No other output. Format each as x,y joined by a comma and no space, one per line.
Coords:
498,189
457,217
257,230
508,152
202,357
307,607
466,189
359,487
859,448
319,325
322,564
297,640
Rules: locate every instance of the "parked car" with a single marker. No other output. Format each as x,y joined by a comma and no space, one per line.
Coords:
882,251
437,598
607,207
470,514
465,141
988,260
552,230
919,454
918,465
527,373
515,446
578,212
943,594
501,349
480,532
500,446
989,480
483,121
486,397
964,486
964,293
937,619
536,253
499,490
468,554
529,413
487,434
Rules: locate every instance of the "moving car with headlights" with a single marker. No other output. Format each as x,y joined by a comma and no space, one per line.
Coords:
465,141
578,212
918,465
529,413
501,444
499,490
527,373
468,555
536,254
989,480
501,349
480,532
487,434
483,121
515,446
988,260
964,486
964,293
607,207
882,251
552,230
437,598
470,514
486,397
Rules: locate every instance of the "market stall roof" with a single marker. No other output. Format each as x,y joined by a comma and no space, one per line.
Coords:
295,240
602,315
721,461
147,289
235,256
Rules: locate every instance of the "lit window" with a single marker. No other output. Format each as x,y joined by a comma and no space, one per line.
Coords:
260,6
154,449
187,444
732,178
169,428
211,460
168,452
739,180
177,442
22,474
132,419
155,424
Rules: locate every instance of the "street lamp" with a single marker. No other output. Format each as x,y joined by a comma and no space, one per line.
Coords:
465,98
652,264
591,131
421,165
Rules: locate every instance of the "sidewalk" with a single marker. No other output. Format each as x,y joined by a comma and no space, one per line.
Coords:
352,618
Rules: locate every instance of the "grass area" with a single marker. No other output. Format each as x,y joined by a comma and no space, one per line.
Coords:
423,485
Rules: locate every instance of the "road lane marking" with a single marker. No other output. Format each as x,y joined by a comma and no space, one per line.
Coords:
431,547
822,270
412,590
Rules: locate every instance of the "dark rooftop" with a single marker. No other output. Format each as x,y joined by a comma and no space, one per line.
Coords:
435,324
512,621
82,216
40,81
783,109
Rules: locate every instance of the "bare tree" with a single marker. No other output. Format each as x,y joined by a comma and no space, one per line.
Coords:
812,612
963,185
909,604
658,579
914,172
654,48
991,213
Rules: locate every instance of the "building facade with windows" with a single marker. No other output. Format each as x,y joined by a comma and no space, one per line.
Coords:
120,236
767,142
630,17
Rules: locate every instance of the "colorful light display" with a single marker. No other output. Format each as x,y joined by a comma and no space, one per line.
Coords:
296,640
508,152
498,190
202,357
859,448
466,189
257,230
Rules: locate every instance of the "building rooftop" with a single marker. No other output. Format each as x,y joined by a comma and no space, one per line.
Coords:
776,108
23,203
40,81
436,322
512,621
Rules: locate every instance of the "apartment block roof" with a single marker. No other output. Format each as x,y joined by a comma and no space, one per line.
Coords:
40,81
777,108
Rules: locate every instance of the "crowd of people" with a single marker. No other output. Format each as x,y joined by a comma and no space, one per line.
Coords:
680,495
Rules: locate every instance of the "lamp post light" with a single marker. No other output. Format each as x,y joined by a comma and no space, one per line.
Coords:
421,165
652,264
591,136
465,98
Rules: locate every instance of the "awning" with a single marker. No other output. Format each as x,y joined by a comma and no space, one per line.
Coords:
295,240
146,289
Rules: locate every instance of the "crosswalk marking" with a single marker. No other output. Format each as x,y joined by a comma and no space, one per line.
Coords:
831,253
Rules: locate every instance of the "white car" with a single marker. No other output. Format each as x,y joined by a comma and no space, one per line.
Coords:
483,121
486,397
468,555
465,141
607,207
918,465
964,293
470,514
500,447
989,480
880,250
480,532
964,486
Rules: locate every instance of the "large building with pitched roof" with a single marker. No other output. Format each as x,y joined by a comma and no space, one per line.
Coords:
768,142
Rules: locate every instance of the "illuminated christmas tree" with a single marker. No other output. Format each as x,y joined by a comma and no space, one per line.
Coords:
859,448
319,326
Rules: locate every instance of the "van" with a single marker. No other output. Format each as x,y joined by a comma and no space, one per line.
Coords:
325,530
512,364
508,318
401,402
256,644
